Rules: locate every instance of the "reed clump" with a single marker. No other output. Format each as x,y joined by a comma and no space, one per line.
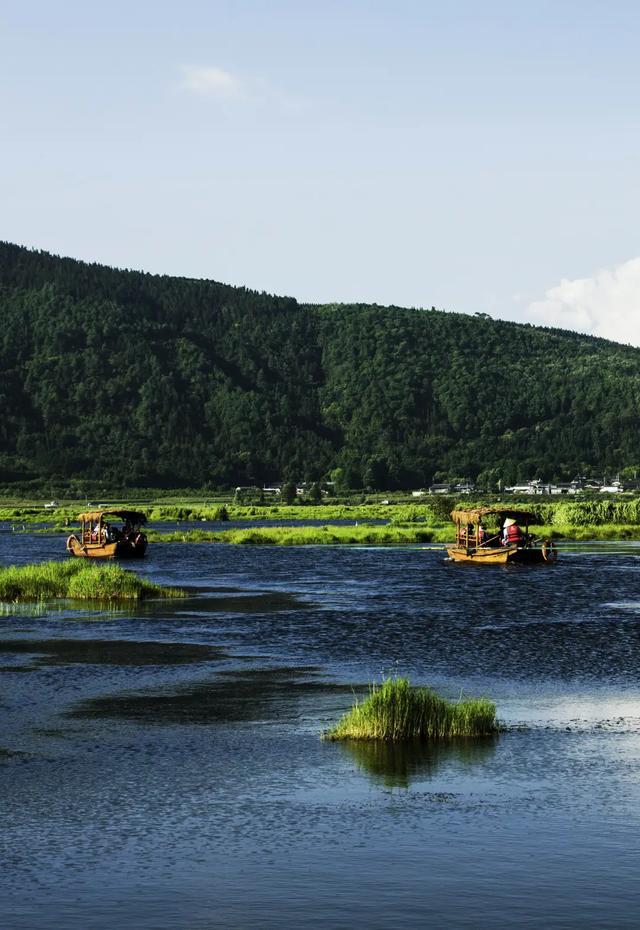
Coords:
395,710
77,580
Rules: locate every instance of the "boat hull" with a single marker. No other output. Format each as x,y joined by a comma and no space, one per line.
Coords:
500,555
123,549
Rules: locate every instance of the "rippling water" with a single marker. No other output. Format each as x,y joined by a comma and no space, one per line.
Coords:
160,766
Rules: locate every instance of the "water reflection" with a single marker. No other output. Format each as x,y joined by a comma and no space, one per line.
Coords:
108,652
265,694
17,609
396,765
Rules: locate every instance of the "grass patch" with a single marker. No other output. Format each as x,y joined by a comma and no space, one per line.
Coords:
77,579
303,535
396,710
591,533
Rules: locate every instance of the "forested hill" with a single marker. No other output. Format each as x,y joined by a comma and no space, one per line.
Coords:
154,380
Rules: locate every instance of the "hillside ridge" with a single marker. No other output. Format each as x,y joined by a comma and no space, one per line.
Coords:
144,379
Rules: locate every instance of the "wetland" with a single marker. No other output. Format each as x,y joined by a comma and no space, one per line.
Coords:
161,764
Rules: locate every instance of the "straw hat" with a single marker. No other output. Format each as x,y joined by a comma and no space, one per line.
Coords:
509,522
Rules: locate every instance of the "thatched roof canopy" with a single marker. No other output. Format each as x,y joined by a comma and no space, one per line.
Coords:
478,514
134,516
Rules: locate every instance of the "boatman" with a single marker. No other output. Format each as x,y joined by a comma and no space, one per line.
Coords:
511,533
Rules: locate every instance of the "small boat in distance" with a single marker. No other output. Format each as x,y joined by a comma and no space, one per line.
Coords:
98,539
477,543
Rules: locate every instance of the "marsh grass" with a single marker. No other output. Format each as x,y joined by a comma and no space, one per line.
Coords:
425,520
302,535
591,532
302,512
395,710
77,579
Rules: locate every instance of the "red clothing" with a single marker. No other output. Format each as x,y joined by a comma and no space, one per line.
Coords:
513,535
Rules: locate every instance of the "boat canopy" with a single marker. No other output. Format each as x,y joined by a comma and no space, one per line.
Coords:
134,516
478,513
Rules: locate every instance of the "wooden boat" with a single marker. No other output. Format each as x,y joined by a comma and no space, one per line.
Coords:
474,543
97,539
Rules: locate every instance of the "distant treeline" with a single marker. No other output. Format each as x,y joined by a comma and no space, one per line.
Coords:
151,381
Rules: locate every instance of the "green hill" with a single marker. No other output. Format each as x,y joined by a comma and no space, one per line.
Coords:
162,381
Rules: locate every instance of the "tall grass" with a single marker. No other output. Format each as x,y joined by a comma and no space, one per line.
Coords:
79,580
596,512
395,710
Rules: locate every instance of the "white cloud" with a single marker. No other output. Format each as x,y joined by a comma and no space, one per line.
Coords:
214,82
217,83
607,305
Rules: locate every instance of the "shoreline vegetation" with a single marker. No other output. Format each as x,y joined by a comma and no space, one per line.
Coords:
397,711
372,535
77,580
360,534
302,536
404,524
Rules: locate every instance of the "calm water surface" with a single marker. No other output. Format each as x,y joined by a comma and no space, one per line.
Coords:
161,767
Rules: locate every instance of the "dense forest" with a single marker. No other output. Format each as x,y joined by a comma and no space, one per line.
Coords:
150,380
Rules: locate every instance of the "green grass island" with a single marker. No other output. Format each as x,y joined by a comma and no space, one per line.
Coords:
78,580
397,711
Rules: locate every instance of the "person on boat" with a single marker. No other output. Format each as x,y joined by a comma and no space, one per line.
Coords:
482,535
95,533
511,533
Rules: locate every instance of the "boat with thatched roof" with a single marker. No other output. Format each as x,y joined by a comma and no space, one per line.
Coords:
100,539
497,535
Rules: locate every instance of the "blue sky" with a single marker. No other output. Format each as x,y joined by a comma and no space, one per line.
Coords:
481,157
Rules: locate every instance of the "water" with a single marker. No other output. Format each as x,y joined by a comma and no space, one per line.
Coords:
161,767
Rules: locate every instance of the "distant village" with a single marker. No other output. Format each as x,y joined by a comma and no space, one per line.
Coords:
536,486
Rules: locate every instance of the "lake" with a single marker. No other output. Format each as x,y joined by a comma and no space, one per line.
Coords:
161,766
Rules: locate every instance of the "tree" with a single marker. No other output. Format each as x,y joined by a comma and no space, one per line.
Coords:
376,475
185,383
289,494
315,493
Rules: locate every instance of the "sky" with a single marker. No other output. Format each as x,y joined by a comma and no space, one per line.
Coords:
482,157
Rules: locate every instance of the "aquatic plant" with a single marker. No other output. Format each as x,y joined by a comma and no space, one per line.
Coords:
77,579
396,710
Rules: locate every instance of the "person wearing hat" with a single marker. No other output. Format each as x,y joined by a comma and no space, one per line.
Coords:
511,533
